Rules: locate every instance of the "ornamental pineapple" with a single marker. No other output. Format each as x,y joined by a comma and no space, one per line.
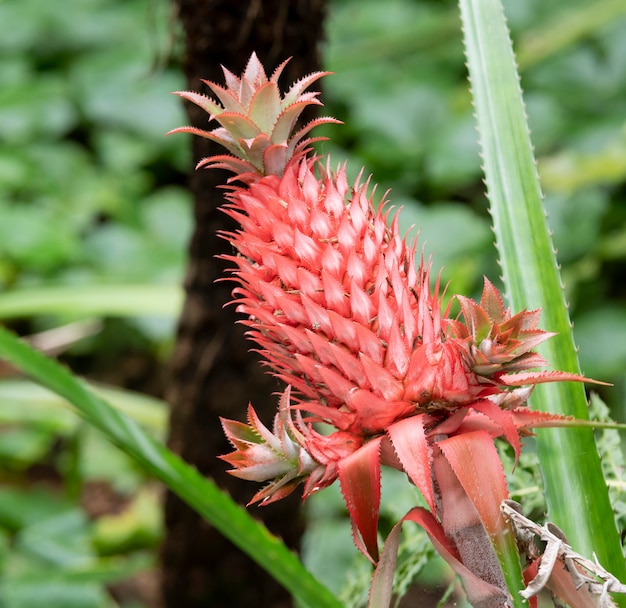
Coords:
341,311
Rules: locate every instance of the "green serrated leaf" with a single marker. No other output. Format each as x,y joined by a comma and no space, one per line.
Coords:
575,489
201,494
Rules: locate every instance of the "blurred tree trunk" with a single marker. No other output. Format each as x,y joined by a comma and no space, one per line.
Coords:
212,372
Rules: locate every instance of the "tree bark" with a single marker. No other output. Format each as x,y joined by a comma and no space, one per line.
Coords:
212,371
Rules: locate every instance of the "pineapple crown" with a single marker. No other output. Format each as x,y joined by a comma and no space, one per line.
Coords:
257,122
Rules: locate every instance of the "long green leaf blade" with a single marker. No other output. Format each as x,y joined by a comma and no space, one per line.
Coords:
575,489
201,494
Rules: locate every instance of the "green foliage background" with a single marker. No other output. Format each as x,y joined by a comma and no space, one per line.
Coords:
92,198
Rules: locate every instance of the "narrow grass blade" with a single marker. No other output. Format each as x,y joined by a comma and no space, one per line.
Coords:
575,489
201,494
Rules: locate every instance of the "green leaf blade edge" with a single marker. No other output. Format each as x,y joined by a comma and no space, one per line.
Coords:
200,493
576,492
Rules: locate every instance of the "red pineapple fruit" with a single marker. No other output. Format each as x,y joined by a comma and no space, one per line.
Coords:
342,313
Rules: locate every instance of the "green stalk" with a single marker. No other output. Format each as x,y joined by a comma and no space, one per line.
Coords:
198,492
575,489
507,553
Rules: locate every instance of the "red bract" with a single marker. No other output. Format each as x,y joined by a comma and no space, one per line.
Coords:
342,313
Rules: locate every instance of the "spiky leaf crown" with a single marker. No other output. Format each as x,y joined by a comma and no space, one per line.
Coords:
257,122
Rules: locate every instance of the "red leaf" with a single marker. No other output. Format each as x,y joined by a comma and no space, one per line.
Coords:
476,464
491,301
409,441
523,378
529,573
526,418
359,476
464,526
503,419
382,581
480,593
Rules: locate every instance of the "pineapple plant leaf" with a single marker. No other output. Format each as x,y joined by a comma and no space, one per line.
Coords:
198,492
576,493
